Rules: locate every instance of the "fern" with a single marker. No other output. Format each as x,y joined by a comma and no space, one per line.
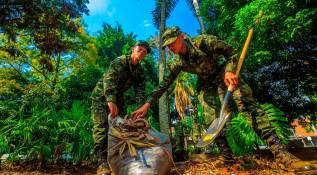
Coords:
278,121
241,137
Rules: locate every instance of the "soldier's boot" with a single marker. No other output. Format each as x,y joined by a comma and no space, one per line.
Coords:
103,167
286,160
225,151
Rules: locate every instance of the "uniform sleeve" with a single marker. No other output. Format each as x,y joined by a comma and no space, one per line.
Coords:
216,46
139,87
174,69
110,80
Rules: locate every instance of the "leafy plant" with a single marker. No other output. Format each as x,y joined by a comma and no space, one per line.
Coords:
278,120
243,139
30,137
75,131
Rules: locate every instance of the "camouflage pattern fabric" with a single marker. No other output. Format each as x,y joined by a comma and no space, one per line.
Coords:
120,76
209,58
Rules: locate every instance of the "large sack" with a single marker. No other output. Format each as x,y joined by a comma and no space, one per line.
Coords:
134,149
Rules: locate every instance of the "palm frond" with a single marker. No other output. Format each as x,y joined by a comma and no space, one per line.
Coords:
191,6
170,6
182,92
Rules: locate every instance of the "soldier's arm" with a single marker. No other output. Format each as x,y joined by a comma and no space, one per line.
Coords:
139,87
175,67
110,80
220,47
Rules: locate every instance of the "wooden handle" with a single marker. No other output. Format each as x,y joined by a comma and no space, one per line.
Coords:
244,52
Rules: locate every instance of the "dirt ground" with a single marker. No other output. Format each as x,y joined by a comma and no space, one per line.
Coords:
198,164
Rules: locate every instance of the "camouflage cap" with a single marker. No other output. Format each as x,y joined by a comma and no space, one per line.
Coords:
170,35
144,44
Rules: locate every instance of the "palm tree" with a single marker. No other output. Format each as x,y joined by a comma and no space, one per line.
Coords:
194,6
162,11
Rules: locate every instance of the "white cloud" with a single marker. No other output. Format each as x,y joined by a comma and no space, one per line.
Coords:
98,6
146,23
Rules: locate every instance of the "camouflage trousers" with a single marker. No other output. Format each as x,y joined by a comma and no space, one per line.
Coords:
99,114
211,95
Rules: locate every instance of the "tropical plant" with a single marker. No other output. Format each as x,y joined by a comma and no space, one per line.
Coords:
111,43
243,139
30,137
161,12
278,120
44,136
194,5
183,92
75,132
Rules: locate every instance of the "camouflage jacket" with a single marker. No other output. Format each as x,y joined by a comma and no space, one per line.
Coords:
120,76
206,57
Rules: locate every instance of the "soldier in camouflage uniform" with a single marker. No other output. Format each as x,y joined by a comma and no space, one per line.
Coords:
107,96
214,62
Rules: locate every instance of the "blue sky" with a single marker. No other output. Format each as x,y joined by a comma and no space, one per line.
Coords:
135,16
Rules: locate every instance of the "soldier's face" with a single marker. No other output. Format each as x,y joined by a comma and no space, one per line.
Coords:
177,46
138,54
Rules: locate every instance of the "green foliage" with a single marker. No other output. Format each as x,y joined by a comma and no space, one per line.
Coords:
30,136
75,131
169,7
186,125
41,135
241,137
47,21
10,84
200,117
154,123
9,108
219,15
111,43
79,85
278,120
44,133
281,60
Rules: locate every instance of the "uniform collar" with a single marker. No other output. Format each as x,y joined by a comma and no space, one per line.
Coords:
191,50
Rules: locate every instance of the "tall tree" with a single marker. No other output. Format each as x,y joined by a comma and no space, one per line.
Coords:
112,42
41,35
161,12
194,5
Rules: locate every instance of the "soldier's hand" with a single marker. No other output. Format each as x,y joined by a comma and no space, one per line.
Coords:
141,112
231,78
114,111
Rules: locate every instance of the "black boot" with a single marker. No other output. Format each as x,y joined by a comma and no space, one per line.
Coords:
288,161
225,151
103,167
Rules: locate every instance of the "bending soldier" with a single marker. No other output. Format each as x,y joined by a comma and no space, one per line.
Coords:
214,62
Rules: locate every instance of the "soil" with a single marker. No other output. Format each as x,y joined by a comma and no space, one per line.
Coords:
198,164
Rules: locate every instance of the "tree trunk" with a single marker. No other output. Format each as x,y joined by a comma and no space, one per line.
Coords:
163,101
200,19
